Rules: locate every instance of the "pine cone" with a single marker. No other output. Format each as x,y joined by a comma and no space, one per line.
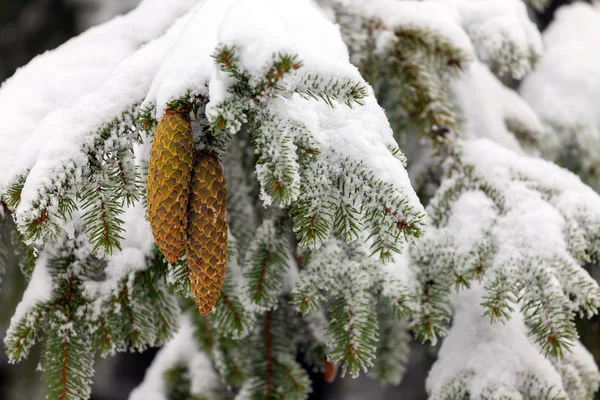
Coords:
206,246
169,173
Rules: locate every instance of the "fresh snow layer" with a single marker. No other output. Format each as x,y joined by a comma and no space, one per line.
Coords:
287,27
498,32
361,133
522,183
94,12
188,65
502,167
533,227
438,17
487,104
56,78
501,31
39,290
281,27
472,215
484,356
182,351
51,147
564,89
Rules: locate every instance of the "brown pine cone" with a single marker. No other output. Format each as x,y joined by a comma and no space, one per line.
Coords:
169,173
206,246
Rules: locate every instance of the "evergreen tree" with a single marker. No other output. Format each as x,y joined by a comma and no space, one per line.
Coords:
218,177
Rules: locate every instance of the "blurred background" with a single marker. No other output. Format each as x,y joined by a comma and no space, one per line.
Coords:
30,27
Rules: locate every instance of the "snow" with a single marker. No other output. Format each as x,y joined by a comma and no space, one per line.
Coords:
502,166
438,17
487,104
501,31
188,65
282,27
397,273
472,215
548,226
518,231
51,147
77,67
39,290
534,196
579,369
525,226
565,87
183,351
98,11
287,27
484,355
498,32
361,133
185,68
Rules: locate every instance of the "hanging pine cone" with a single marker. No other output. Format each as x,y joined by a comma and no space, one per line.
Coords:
206,246
169,173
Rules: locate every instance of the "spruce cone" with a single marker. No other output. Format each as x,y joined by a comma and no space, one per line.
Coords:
169,172
206,247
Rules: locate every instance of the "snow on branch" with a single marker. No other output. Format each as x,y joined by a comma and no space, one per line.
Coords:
502,34
564,89
320,202
101,126
493,111
253,86
525,228
408,50
345,273
77,67
482,360
501,361
180,367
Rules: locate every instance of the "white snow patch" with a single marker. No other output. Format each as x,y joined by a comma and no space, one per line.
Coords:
181,350
565,86
56,78
38,290
497,355
58,140
487,104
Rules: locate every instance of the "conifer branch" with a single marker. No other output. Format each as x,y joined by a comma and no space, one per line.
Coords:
392,348
12,195
231,316
267,264
108,166
449,59
23,334
101,211
330,90
353,329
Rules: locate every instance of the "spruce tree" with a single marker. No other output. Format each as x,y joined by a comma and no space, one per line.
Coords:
218,177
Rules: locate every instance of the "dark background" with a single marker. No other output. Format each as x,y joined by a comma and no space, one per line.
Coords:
30,27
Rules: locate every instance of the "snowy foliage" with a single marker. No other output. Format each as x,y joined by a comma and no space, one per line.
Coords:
331,256
566,86
180,367
500,202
